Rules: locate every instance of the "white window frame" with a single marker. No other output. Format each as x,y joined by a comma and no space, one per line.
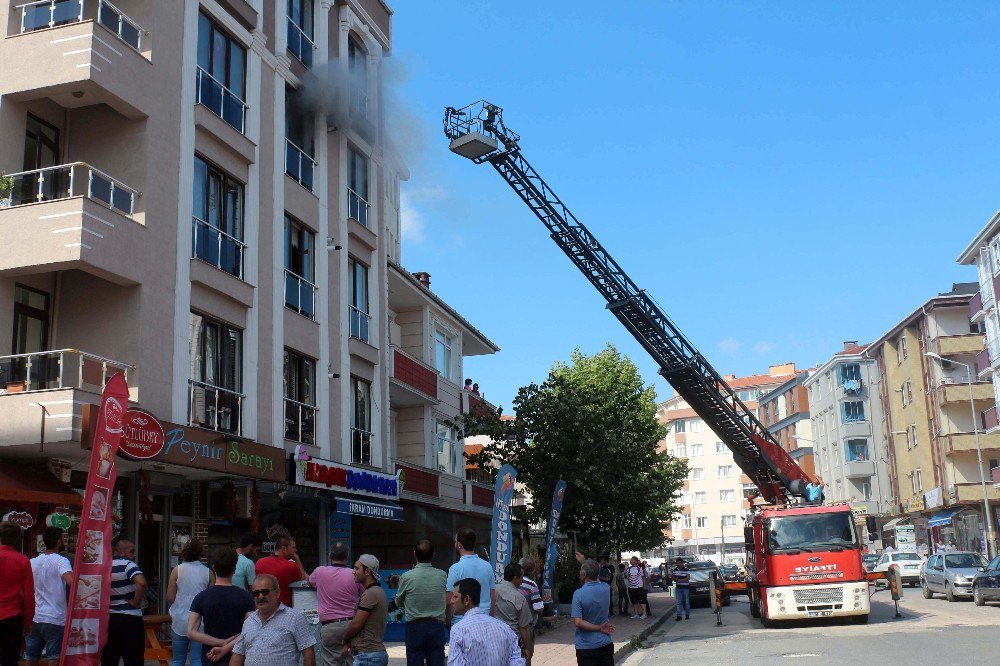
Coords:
702,522
727,495
694,425
729,520
697,450
701,497
697,473
725,471
452,446
686,521
450,338
720,447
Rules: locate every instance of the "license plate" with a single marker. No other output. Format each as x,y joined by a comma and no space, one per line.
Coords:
819,613
700,589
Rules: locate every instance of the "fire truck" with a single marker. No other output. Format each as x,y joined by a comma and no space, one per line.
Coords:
804,561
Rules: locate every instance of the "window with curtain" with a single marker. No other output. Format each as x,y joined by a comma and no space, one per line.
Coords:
447,448
443,353
218,218
300,267
224,61
300,397
361,425
360,317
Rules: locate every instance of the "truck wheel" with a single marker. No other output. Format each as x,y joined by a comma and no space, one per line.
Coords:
859,619
949,593
977,596
754,604
926,590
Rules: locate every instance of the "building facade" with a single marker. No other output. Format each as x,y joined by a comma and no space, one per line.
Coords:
204,196
849,444
784,411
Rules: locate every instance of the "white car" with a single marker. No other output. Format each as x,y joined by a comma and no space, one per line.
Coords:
909,566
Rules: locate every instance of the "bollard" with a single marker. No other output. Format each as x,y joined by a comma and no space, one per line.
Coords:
715,594
896,587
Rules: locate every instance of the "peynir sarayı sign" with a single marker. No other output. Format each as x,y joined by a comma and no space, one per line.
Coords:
501,536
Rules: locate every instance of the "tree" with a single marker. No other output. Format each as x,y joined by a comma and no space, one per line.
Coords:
592,423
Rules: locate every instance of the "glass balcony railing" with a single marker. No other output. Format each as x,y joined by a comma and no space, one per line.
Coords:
361,446
216,247
299,165
360,323
46,14
300,421
359,101
221,101
300,294
299,43
59,369
67,181
357,207
214,407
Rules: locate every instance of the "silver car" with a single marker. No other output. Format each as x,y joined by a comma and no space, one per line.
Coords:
951,574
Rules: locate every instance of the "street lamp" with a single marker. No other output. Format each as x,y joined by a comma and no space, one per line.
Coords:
979,451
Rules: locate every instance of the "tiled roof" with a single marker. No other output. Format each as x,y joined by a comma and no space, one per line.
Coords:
759,380
853,349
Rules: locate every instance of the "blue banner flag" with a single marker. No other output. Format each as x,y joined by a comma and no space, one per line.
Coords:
550,540
501,537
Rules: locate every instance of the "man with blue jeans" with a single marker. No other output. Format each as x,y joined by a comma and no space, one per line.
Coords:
594,646
52,574
682,587
423,597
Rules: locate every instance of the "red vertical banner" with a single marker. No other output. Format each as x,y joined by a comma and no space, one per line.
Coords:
90,593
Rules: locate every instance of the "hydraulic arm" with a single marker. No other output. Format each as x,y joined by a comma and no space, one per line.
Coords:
478,132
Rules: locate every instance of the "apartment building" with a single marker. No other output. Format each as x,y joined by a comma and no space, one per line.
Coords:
784,411
713,501
929,421
203,195
849,442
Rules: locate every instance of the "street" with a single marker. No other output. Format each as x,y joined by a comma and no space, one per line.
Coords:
930,630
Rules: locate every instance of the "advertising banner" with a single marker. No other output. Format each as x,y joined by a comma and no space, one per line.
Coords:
550,540
501,536
90,592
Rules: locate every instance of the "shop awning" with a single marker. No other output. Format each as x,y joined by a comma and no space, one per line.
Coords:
358,507
19,484
943,517
892,524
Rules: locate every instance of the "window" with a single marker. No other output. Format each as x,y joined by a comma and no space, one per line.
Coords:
680,451
909,392
866,490
443,353
727,495
447,448
852,412
720,447
300,149
901,350
912,434
702,522
357,187
300,30
300,268
360,317
357,67
300,398
686,522
215,398
848,372
749,489
856,450
217,218
902,393
698,473
361,424
697,449
725,471
729,521
694,425
701,497
748,394
680,426
221,82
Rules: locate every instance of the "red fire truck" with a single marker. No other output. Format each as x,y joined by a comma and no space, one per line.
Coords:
804,561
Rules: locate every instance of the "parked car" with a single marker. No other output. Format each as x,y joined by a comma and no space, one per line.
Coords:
986,584
730,573
657,579
701,572
951,574
909,567
869,561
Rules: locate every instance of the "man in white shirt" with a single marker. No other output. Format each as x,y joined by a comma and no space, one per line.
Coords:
52,573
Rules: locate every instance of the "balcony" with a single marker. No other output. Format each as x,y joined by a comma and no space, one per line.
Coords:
220,100
849,388
300,295
952,345
77,53
215,408
976,311
360,323
958,392
299,165
300,44
361,446
965,442
419,480
474,403
59,369
413,382
983,362
67,181
214,246
989,418
300,421
859,469
357,207
973,492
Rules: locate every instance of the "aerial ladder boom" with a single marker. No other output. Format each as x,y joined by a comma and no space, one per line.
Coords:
477,132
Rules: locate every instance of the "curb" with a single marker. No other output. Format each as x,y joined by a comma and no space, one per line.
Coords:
627,649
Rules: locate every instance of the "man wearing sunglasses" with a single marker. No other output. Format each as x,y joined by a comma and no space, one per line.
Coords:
275,633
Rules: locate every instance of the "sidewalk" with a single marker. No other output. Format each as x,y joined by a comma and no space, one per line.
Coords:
555,648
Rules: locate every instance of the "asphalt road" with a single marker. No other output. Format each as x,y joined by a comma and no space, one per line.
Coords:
930,631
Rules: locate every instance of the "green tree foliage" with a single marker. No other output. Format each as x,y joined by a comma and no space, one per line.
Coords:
592,423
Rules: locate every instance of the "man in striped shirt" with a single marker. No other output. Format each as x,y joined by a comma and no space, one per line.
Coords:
126,636
479,639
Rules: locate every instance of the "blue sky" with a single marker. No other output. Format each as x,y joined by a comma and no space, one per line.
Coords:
780,176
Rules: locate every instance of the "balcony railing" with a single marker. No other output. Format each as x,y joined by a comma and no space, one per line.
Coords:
360,322
983,361
216,247
300,295
359,100
357,207
58,369
990,418
299,165
46,14
300,421
299,43
976,306
852,386
214,407
66,181
361,446
221,101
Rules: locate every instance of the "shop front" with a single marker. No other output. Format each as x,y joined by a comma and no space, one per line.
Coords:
30,496
957,528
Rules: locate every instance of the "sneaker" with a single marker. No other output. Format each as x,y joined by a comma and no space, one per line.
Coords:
688,617
633,617
678,619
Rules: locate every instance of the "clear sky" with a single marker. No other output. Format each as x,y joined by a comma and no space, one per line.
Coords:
781,176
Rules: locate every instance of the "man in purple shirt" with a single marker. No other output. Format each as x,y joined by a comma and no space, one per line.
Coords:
337,594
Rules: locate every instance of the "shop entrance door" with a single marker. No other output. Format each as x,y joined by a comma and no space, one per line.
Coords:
151,542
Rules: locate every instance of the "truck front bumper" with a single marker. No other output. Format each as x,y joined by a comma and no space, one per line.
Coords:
796,602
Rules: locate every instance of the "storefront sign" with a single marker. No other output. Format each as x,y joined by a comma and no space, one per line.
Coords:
905,540
934,498
501,536
86,628
318,473
22,519
60,520
370,510
550,541
142,436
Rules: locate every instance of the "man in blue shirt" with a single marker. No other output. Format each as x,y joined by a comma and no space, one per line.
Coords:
594,646
814,491
682,588
471,565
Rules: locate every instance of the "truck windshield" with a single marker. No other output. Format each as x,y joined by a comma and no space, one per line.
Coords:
811,532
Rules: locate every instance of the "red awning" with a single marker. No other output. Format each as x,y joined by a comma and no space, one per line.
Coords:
19,484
